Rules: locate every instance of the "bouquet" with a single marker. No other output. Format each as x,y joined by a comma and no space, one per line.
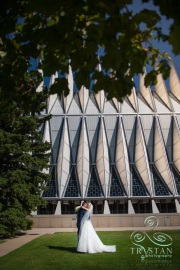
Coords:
77,208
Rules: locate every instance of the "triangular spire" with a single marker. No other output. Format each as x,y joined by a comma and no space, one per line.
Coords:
100,98
122,161
160,89
141,159
143,105
74,127
129,122
56,124
160,158
148,130
174,82
75,107
126,106
92,123
146,92
83,96
92,105
68,99
166,122
102,159
109,107
57,107
116,103
63,162
111,124
132,99
83,160
52,98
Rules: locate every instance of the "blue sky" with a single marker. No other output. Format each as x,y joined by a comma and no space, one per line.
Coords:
165,24
163,46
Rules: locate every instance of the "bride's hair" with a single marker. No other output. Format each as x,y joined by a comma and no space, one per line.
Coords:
83,203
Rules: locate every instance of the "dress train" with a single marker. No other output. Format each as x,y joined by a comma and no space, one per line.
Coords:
89,242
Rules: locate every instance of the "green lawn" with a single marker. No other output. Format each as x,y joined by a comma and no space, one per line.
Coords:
58,251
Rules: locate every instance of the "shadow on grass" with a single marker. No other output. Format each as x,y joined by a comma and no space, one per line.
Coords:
69,249
33,234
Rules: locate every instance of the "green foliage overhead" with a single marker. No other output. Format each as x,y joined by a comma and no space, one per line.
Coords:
171,10
84,33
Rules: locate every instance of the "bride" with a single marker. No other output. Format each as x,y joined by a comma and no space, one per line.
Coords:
89,241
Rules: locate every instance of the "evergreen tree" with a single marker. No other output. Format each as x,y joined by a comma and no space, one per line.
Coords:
23,154
22,157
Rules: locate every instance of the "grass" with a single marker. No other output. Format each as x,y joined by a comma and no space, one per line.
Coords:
58,251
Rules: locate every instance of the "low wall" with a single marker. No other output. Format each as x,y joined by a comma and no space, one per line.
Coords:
109,221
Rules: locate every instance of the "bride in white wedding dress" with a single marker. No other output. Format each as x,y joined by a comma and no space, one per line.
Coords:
89,241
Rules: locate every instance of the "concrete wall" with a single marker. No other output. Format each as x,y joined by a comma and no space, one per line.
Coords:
108,221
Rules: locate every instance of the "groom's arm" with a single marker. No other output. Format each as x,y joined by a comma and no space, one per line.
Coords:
83,211
80,215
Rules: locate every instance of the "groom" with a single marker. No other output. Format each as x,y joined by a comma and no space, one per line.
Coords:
80,215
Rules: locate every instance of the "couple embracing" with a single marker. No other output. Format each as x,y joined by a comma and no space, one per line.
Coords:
88,240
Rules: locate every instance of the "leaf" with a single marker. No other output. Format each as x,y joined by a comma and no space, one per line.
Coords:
151,78
149,17
164,68
174,39
60,86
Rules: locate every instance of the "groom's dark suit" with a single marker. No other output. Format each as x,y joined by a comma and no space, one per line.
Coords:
80,215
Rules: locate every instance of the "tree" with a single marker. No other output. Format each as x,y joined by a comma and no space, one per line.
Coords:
23,154
171,10
61,32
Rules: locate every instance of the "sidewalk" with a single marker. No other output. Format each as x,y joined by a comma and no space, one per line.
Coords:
14,243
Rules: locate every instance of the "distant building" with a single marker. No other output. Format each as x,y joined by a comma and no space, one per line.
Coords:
124,158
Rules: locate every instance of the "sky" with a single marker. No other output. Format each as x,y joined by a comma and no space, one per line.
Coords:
165,24
163,46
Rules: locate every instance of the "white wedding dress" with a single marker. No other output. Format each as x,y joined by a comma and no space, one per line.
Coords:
89,241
